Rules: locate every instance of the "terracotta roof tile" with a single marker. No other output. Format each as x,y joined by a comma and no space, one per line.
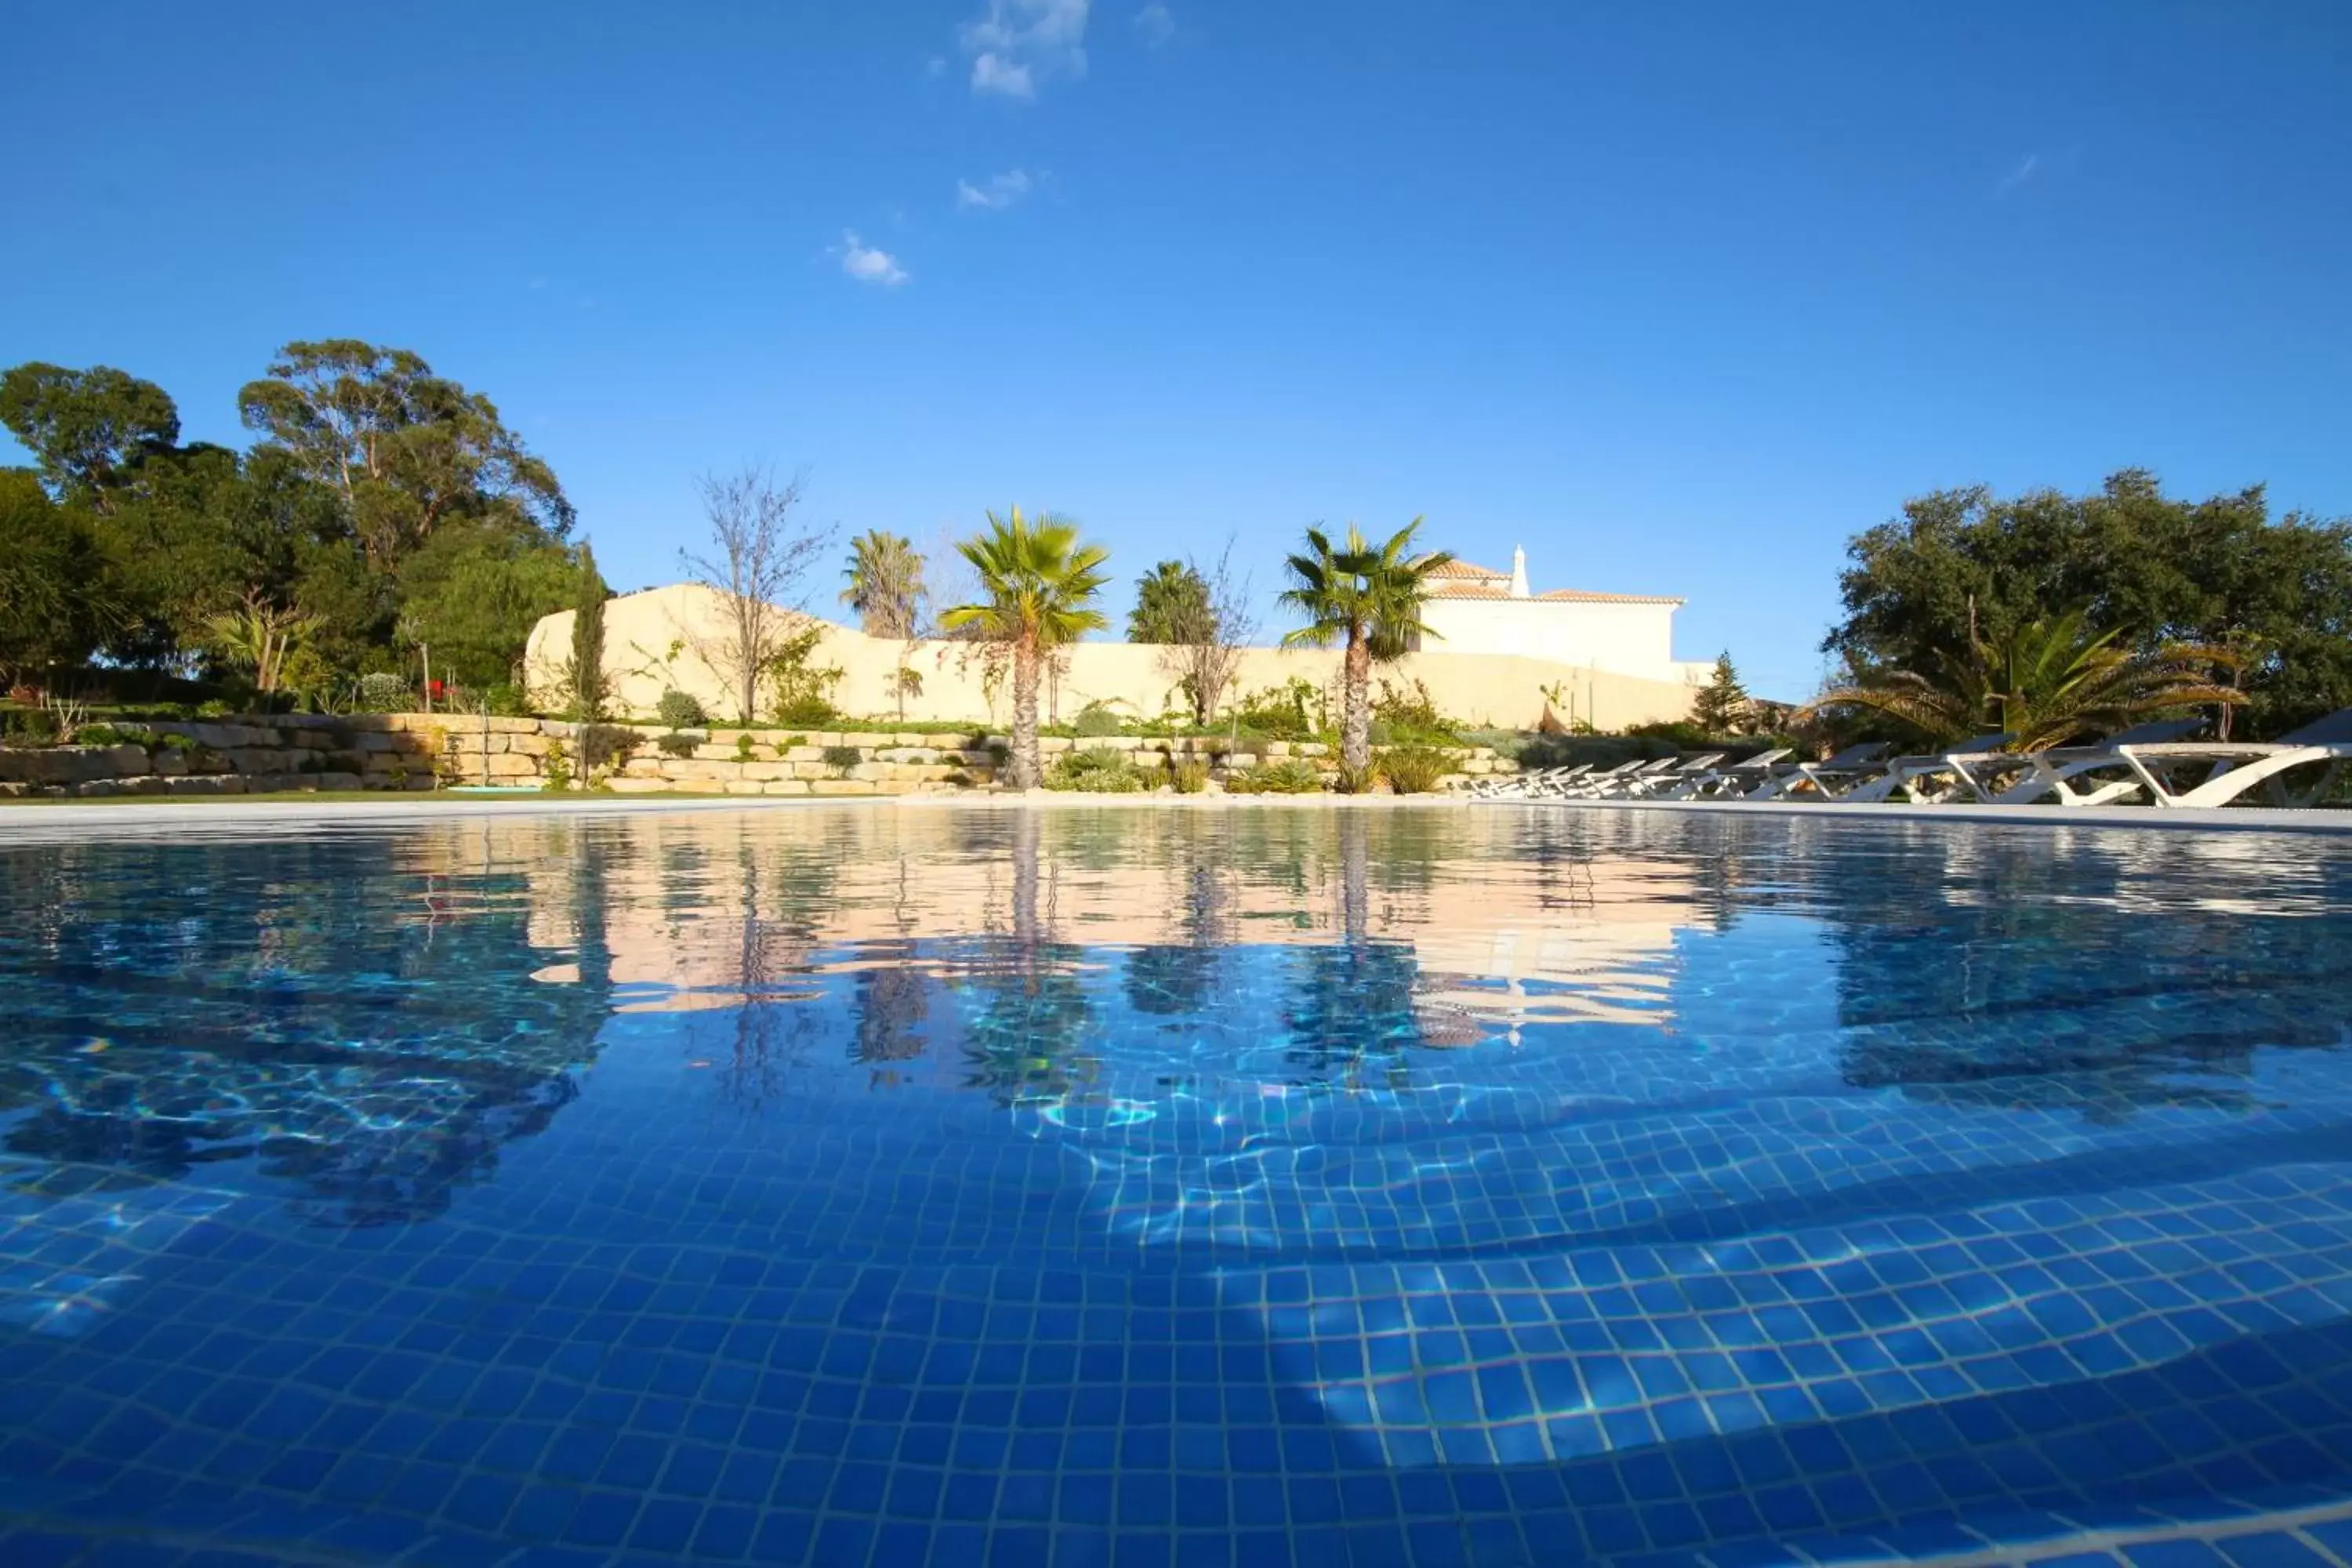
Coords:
1465,569
1580,596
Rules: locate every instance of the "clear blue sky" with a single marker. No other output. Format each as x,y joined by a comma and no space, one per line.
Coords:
1678,296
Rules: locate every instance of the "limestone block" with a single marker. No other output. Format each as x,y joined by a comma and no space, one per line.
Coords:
698,787
310,740
637,784
204,784
370,740
744,786
333,780
507,726
507,765
765,772
842,786
1048,744
642,768
803,754
785,786
269,783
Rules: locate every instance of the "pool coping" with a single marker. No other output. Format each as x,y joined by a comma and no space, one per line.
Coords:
50,821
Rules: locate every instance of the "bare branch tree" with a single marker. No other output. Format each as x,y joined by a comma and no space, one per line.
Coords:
1207,654
756,556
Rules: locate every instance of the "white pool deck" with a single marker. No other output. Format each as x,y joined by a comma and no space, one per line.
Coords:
50,821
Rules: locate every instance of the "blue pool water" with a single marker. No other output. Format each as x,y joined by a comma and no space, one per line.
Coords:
1254,1187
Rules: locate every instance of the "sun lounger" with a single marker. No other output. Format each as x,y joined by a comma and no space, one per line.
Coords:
1832,778
2052,772
1732,779
1906,776
1665,783
1527,785
1593,783
2233,768
1621,783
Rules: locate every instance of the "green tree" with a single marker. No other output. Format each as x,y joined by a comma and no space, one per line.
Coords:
1962,565
1721,705
2044,684
268,639
408,451
86,428
57,598
587,668
886,583
1040,583
1368,599
1171,606
475,590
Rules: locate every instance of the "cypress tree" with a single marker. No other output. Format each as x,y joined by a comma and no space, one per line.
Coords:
1721,706
588,643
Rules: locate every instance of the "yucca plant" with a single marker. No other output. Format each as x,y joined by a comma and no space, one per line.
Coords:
2046,683
1040,581
260,636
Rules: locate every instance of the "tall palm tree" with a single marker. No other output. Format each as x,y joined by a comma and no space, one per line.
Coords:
2046,683
1368,598
886,583
1040,583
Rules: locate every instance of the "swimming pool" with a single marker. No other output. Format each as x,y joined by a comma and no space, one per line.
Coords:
1246,1187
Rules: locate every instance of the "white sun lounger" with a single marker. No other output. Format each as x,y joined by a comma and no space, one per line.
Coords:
1905,776
1731,779
1621,782
2052,772
1668,783
1832,778
2235,767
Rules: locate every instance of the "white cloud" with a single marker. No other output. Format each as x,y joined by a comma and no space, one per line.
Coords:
2027,167
868,265
1000,191
1016,44
1154,24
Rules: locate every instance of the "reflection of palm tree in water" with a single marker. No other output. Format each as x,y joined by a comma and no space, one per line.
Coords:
1175,979
1351,1014
1026,1034
891,1000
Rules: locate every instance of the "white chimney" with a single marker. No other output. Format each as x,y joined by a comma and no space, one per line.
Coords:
1518,573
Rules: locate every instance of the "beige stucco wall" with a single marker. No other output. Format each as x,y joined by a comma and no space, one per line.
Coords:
1630,638
651,640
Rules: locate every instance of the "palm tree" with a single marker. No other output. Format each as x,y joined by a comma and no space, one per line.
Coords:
1370,597
886,583
262,637
2046,683
1040,583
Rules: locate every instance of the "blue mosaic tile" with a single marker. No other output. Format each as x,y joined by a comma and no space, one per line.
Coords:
1417,1188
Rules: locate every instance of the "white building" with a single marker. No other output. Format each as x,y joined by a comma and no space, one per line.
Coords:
1473,609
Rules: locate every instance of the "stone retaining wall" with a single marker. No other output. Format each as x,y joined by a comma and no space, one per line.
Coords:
425,750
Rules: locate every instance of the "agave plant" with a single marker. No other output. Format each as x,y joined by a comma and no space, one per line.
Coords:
2046,683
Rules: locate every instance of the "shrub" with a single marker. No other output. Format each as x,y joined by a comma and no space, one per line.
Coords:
1189,777
676,744
744,750
607,745
803,690
1409,714
1096,770
29,728
1095,722
383,692
1416,769
1291,776
679,711
841,759
555,769
507,701
215,709
101,735
1291,712
1355,780
181,743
